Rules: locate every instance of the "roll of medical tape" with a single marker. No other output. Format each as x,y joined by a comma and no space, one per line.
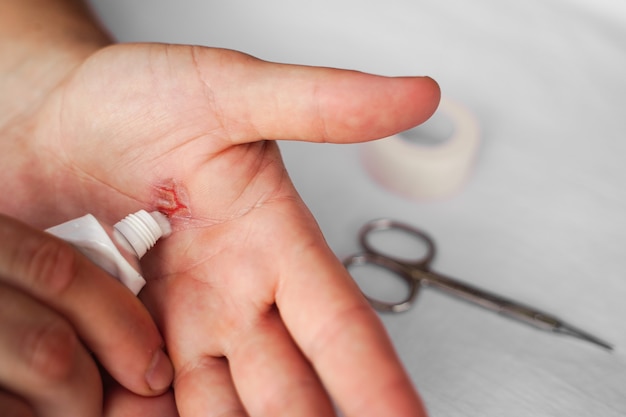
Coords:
426,171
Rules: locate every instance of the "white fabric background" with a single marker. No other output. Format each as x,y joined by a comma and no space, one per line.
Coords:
542,218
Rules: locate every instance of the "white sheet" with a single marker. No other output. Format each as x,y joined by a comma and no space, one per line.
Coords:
542,218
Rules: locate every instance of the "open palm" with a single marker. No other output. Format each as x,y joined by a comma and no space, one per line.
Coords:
258,315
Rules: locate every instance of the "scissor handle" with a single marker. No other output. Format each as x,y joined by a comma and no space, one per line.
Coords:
371,258
420,261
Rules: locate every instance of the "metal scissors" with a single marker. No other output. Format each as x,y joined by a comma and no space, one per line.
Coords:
417,274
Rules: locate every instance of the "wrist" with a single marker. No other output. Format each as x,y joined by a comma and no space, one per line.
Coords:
41,44
41,41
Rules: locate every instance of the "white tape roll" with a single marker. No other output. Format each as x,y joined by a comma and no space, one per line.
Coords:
426,170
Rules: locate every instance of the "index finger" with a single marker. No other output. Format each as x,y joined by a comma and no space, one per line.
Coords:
110,320
341,335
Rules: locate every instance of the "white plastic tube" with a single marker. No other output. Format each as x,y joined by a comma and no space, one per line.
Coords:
117,250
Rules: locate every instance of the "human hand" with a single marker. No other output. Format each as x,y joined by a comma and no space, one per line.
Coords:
57,309
258,315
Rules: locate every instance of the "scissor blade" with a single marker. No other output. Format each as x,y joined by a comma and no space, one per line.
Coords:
574,332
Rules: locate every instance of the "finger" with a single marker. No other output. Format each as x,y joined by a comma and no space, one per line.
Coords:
13,406
108,318
43,360
341,335
205,388
258,99
272,376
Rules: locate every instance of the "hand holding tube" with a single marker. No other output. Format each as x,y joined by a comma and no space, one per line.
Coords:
56,309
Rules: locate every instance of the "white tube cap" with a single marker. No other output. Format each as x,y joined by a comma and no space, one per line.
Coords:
143,229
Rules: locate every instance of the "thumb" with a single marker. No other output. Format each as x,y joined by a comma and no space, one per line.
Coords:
263,100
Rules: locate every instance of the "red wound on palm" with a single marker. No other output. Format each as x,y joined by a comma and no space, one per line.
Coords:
172,199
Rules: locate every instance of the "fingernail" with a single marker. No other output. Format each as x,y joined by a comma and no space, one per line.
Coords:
160,372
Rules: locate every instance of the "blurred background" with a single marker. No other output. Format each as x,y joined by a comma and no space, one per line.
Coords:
541,216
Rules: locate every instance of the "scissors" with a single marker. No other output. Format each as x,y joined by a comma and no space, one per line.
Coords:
416,274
